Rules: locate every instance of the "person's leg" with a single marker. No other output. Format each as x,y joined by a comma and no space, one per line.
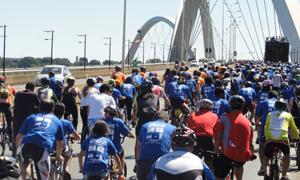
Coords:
129,108
238,172
43,166
75,117
8,117
262,158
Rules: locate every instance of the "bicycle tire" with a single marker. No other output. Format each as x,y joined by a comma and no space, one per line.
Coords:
298,155
4,141
275,172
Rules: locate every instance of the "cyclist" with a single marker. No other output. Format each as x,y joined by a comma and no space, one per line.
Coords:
97,149
181,163
276,132
207,90
86,91
59,110
55,84
233,139
99,82
46,93
159,91
263,94
154,141
9,168
69,94
26,103
116,94
294,107
203,122
37,136
117,128
129,91
249,95
277,81
263,108
220,105
97,102
117,74
6,93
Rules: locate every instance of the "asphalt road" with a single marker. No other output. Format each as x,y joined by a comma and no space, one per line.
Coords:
250,168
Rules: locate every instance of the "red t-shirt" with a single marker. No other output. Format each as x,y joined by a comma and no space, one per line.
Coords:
203,123
236,136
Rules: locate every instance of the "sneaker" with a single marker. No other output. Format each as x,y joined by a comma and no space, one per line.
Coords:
261,172
284,178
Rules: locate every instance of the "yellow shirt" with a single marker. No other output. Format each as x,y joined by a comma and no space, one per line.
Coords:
277,126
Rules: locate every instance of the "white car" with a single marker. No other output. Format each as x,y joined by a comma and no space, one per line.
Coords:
61,73
194,63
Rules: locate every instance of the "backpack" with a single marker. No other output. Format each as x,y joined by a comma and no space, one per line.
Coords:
4,92
147,104
45,93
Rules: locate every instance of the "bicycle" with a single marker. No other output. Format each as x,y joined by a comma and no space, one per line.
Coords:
56,169
4,139
297,149
274,166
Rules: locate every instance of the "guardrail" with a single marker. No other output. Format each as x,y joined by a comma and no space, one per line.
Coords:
18,76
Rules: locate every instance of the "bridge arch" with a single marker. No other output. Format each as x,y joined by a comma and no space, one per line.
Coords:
143,31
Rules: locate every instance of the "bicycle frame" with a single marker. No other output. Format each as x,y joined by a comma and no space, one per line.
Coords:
3,135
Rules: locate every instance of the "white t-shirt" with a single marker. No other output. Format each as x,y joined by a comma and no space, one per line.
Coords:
97,103
277,80
83,100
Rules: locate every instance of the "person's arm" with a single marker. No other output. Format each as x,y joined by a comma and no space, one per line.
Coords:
19,138
80,160
134,109
119,164
76,136
167,100
293,128
59,148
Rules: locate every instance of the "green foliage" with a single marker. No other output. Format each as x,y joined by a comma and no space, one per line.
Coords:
112,62
95,62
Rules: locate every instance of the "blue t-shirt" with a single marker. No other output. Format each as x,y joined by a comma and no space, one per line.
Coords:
128,90
248,94
42,130
68,128
116,95
220,107
116,128
137,79
262,95
155,139
263,109
191,84
208,91
182,91
54,86
97,150
288,92
170,90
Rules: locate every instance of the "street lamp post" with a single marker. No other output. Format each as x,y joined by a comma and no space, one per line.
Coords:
109,50
51,51
4,48
84,50
124,34
154,51
163,47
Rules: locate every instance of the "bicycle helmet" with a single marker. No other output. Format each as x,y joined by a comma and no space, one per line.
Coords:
236,102
248,84
45,81
70,80
205,104
118,68
90,81
280,104
111,82
146,87
143,69
9,168
181,80
267,82
128,80
184,137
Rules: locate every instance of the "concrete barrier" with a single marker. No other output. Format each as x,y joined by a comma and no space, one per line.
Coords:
28,76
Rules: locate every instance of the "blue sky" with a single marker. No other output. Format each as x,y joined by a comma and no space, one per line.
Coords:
27,19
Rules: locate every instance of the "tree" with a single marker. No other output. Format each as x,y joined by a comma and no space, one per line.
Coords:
106,62
95,62
28,62
152,61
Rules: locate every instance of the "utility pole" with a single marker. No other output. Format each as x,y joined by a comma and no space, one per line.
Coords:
4,49
109,50
154,51
163,47
182,33
51,49
84,50
128,53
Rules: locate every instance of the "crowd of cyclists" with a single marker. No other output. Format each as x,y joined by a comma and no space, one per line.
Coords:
216,108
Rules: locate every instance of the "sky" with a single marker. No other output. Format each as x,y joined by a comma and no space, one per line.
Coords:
27,21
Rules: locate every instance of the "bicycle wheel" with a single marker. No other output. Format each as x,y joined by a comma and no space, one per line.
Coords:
298,155
275,172
3,141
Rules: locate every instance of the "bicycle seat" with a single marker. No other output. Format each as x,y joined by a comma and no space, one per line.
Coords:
275,150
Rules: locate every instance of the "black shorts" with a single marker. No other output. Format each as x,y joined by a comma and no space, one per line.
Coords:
223,165
270,146
206,144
